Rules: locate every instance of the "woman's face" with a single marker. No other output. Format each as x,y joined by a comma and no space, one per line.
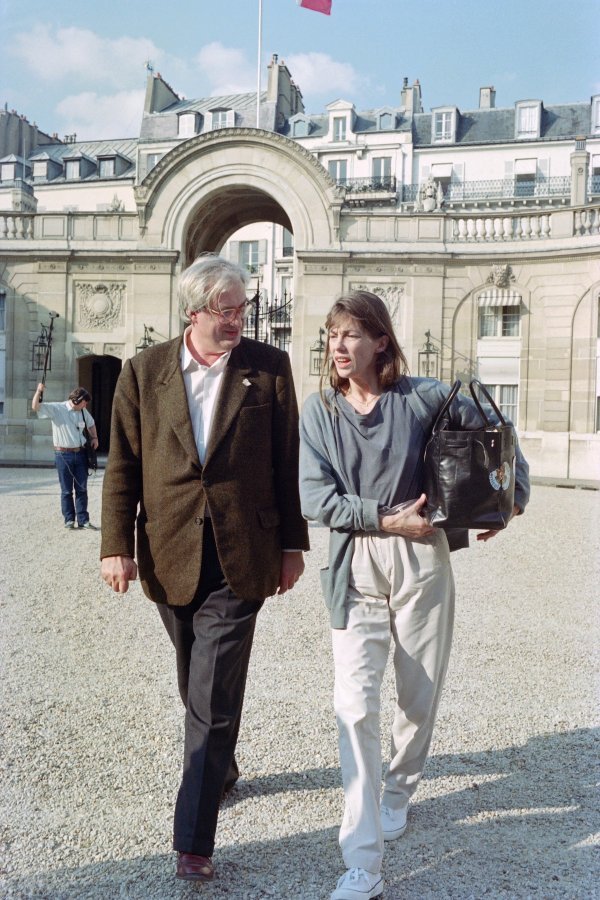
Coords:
353,350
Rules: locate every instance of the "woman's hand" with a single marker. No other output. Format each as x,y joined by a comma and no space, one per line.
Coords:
408,522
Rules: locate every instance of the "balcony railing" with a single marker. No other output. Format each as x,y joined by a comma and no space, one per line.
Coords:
499,189
368,185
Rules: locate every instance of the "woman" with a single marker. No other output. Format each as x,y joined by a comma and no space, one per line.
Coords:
389,573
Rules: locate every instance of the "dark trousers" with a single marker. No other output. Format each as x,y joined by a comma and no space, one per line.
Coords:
212,639
72,469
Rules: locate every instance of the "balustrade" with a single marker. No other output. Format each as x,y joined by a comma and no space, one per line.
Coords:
16,226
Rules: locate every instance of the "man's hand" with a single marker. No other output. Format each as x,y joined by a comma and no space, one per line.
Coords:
292,567
118,571
486,535
408,522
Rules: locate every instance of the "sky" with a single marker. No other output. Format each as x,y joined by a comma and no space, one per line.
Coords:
80,67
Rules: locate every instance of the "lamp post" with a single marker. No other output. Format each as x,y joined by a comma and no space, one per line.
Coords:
41,354
317,354
429,357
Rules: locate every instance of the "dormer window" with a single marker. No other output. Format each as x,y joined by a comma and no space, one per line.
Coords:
7,171
106,167
222,118
443,125
40,169
72,169
187,125
385,121
339,128
528,117
300,128
596,115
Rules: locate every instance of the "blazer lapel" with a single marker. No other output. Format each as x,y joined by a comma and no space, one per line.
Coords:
234,388
173,403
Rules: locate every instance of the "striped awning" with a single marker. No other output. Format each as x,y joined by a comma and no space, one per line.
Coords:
499,297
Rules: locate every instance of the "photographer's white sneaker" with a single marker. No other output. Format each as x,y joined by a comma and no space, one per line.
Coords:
393,823
358,884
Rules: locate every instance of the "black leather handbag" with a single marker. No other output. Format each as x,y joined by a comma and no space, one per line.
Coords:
470,474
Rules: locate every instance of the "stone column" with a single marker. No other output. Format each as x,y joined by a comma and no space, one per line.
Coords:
580,166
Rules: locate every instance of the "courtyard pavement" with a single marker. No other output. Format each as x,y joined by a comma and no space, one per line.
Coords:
92,725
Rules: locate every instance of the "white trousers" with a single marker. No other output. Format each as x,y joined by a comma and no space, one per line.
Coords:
402,589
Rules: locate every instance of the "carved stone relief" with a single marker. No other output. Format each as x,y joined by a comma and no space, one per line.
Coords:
390,294
117,350
99,305
501,275
80,350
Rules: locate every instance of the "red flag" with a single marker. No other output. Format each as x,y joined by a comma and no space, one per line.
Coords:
322,6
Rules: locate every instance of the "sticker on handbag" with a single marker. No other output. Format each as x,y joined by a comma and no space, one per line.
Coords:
500,477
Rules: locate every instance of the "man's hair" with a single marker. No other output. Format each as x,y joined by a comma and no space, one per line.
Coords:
372,314
205,279
78,395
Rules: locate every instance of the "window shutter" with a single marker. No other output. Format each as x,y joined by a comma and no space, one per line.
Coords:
262,252
425,170
458,172
234,252
543,167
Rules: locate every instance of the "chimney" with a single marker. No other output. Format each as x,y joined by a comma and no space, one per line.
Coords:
411,97
487,98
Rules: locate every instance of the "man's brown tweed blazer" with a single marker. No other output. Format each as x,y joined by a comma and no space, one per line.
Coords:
156,494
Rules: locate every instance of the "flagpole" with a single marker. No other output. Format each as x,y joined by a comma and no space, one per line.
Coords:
258,66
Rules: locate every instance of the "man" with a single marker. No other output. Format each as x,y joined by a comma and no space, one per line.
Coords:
203,471
68,422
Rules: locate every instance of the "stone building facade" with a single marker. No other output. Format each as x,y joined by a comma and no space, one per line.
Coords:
480,229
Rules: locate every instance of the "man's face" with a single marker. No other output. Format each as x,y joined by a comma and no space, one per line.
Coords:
211,330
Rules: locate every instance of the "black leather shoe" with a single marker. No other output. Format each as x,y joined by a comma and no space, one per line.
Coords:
191,867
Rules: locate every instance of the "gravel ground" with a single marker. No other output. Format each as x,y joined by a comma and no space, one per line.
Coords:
92,725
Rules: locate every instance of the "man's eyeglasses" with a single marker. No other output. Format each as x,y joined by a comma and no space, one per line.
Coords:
231,313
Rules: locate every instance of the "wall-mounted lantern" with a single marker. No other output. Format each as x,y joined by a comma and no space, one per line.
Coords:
146,340
317,354
429,358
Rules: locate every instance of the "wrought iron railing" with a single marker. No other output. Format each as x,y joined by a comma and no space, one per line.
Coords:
365,185
498,189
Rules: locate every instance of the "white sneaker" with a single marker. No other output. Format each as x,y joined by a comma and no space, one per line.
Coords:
358,884
393,824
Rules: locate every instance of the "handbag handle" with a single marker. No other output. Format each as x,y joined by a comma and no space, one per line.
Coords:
485,393
445,406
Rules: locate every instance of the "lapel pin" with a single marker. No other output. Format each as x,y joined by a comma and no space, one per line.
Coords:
246,382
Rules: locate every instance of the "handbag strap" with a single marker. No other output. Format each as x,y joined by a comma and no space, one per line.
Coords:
445,406
486,394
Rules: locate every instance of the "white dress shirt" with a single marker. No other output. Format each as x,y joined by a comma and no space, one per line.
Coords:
202,386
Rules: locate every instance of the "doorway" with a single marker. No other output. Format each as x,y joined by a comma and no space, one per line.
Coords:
98,375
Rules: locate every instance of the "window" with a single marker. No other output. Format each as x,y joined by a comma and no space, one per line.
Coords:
72,168
385,121
499,321
442,126
249,255
40,169
338,169
442,173
300,128
7,172
506,398
286,288
151,160
288,243
339,128
222,118
186,125
382,169
2,311
106,167
528,120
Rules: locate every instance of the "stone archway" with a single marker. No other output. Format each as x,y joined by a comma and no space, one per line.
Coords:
208,187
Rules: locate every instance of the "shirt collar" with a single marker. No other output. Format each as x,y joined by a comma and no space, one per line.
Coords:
189,364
